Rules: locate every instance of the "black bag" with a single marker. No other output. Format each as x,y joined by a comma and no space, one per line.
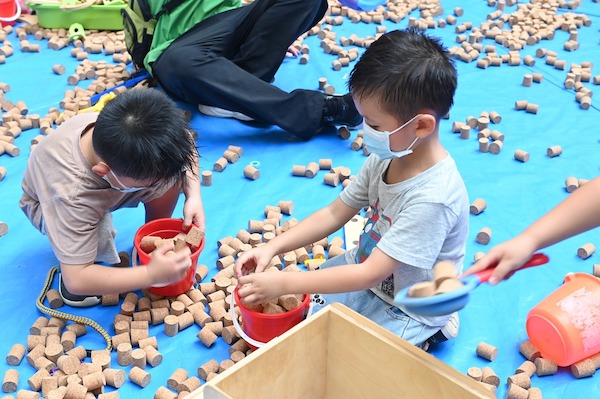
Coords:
138,24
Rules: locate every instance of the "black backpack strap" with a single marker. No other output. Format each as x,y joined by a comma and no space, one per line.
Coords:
168,7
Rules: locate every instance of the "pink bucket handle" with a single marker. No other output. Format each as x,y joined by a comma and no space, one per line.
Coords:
239,329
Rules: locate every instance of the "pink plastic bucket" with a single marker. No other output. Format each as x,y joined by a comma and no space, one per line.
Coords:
565,326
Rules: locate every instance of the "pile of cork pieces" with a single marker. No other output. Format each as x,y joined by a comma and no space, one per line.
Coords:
62,369
520,383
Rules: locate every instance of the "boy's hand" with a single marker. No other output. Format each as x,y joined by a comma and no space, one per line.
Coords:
257,258
166,266
505,257
193,213
261,287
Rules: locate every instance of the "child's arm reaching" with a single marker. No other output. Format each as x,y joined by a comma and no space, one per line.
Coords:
262,287
574,215
316,226
193,209
164,267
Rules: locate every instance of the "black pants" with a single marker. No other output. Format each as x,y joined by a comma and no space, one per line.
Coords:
228,60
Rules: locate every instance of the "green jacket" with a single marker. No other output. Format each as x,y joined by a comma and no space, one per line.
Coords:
170,26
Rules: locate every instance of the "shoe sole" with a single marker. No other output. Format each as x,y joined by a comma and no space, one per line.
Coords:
84,303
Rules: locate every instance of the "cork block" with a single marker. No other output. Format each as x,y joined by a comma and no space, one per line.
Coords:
139,377
571,184
194,236
585,251
530,352
522,156
545,367
484,236
478,206
554,151
487,351
488,376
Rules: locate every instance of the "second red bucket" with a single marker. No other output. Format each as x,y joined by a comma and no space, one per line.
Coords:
167,228
259,328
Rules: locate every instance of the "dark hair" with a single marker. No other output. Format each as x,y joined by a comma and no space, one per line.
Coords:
142,134
406,71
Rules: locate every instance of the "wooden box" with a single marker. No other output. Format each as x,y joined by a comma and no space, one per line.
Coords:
338,353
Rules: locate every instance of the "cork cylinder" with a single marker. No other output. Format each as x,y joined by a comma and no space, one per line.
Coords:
10,381
488,375
495,147
220,164
478,206
521,155
311,170
153,356
527,367
207,337
138,358
475,373
584,368
124,354
190,384
532,108
487,351
443,270
171,325
516,392
114,377
251,172
139,377
178,376
586,250
211,366
164,393
15,355
94,380
207,178
484,236
484,144
545,367
554,151
521,379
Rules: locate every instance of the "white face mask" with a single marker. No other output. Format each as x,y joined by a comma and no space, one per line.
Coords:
378,143
123,188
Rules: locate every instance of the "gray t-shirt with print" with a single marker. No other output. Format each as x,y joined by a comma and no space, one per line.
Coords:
418,222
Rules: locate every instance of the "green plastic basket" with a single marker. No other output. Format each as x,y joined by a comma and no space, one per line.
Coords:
100,17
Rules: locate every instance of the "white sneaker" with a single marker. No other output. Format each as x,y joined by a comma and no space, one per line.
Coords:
448,332
222,113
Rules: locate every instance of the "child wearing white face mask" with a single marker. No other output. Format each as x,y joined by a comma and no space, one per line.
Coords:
402,85
138,149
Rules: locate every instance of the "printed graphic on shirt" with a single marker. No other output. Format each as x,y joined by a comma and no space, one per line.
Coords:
368,240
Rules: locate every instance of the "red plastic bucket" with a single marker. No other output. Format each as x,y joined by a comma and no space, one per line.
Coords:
565,326
167,228
10,10
260,328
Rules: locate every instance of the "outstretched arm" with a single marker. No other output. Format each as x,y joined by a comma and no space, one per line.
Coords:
574,215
